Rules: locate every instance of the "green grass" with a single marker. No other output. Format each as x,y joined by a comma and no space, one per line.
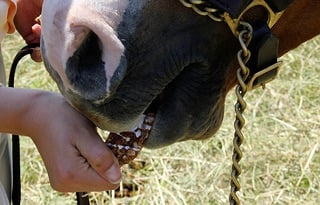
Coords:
281,163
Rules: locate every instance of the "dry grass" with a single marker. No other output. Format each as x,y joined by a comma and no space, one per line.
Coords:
281,163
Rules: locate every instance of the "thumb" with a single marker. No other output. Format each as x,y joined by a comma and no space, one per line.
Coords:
100,158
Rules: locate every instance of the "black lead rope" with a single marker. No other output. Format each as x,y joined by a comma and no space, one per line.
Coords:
16,182
82,198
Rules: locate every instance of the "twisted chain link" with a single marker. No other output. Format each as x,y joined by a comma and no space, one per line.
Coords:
244,35
243,72
204,8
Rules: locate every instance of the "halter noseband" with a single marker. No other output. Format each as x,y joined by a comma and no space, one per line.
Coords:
232,11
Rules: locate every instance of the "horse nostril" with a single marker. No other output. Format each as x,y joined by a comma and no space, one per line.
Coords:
85,69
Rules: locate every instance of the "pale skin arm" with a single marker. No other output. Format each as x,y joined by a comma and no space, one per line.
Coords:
74,155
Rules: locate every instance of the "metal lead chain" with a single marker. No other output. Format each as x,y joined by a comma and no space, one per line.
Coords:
243,72
244,32
203,8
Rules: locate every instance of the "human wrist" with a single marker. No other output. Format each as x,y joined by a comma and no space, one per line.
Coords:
37,116
18,110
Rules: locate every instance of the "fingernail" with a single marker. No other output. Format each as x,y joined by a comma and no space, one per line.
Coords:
36,49
114,174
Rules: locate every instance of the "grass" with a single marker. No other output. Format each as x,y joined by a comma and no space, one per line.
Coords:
281,163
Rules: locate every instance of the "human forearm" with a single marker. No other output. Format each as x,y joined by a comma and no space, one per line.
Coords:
17,113
75,156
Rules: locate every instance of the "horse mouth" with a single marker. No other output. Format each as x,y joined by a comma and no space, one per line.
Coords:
183,92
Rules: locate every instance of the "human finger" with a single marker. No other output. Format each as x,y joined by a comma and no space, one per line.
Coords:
36,33
73,173
100,158
36,54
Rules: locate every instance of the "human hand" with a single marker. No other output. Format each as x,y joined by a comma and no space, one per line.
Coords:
26,25
75,156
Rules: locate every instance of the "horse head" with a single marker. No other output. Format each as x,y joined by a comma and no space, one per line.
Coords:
115,60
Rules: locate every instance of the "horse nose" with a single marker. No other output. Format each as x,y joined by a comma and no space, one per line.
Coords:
96,63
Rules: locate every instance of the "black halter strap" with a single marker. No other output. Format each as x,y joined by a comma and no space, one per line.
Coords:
235,7
16,182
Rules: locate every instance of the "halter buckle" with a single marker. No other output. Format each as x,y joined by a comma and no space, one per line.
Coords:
234,23
264,76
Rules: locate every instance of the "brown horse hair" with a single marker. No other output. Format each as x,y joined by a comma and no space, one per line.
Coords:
299,23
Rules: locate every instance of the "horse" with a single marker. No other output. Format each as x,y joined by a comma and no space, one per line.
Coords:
116,60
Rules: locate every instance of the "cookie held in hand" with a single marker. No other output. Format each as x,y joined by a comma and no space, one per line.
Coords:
127,145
